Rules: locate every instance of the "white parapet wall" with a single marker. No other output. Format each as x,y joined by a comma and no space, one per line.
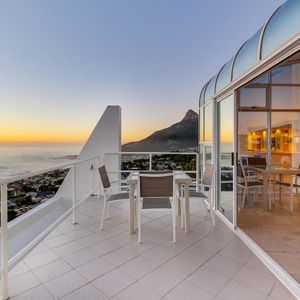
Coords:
106,137
25,231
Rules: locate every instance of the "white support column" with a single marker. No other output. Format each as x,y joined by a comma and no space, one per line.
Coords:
74,194
150,161
197,172
4,243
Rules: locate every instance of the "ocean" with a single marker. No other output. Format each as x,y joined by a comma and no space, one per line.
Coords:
18,159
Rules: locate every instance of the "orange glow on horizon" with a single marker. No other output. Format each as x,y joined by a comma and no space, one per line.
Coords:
60,137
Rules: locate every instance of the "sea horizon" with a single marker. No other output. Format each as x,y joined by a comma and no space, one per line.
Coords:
21,158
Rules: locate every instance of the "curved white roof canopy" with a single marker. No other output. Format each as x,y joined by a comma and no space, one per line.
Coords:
283,25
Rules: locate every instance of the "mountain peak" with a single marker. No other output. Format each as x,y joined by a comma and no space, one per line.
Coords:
190,115
177,137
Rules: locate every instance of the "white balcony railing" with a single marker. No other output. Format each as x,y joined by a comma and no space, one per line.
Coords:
8,262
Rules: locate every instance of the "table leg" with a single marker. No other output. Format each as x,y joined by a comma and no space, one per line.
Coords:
131,209
186,208
178,202
280,180
265,191
270,191
291,195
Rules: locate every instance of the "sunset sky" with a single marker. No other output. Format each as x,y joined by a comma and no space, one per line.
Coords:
62,62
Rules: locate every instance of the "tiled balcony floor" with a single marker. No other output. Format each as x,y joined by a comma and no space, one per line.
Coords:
81,262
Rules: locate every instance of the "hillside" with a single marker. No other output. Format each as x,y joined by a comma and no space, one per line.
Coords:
178,137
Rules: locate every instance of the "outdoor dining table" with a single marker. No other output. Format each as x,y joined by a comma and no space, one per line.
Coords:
269,171
181,179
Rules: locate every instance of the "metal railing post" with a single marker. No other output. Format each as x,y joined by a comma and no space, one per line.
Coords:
4,243
74,194
197,172
150,161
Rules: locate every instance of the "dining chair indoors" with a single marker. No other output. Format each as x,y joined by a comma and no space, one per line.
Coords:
246,183
155,192
109,193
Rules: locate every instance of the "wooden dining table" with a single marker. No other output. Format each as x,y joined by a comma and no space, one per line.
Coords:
181,179
267,173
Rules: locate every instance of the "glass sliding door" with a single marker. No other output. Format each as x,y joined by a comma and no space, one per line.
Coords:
268,159
226,156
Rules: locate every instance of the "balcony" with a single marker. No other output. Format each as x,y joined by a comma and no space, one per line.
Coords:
81,262
57,251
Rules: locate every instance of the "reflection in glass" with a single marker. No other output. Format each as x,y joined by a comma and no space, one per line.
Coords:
253,97
247,56
224,77
286,74
285,97
225,172
208,128
272,211
210,90
201,124
285,139
202,94
252,134
283,25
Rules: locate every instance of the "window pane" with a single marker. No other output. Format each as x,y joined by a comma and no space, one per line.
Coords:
247,56
210,90
225,171
202,94
263,79
201,124
252,136
289,74
284,25
224,76
285,139
285,97
253,97
208,131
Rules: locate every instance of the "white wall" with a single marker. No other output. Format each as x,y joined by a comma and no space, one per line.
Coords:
106,137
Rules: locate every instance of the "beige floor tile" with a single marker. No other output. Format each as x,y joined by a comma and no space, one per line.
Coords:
138,267
224,265
80,258
37,293
65,284
181,266
261,280
22,283
237,291
137,291
120,256
161,281
113,282
87,292
209,280
187,290
41,259
95,268
52,270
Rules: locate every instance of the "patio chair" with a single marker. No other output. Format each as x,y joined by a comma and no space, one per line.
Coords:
108,193
246,183
205,195
156,191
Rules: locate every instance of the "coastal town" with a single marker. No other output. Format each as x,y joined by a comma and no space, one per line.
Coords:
26,194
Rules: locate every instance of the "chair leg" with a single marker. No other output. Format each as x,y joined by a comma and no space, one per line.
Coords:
213,220
103,213
182,215
107,211
138,205
244,197
174,221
